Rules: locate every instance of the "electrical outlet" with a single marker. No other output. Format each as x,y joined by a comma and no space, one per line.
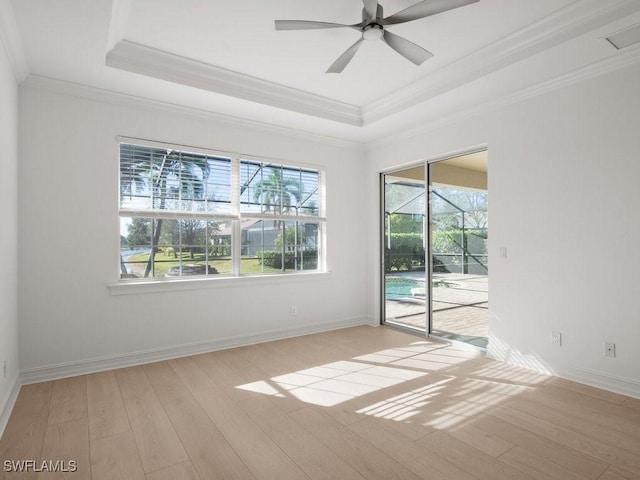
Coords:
556,339
294,310
609,349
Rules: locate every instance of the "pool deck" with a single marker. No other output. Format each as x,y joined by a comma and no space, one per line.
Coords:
460,309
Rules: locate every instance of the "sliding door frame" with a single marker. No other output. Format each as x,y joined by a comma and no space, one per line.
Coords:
382,212
427,244
429,250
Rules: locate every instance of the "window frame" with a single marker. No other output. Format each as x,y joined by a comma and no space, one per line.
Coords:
235,217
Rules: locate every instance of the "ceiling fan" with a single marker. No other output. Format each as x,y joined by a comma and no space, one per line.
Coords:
373,27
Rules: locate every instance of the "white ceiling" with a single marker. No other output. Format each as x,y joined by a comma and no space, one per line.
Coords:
225,56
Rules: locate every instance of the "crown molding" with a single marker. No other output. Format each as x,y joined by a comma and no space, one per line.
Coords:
575,19
39,82
10,40
145,60
623,59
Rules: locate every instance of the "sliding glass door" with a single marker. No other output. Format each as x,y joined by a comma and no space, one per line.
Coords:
404,292
459,268
446,296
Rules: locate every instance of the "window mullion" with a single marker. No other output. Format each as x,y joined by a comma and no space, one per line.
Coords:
236,227
236,246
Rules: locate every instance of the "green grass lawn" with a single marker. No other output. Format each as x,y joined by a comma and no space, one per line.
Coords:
164,262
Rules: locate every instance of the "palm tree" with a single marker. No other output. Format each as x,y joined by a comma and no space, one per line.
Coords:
280,195
277,193
167,175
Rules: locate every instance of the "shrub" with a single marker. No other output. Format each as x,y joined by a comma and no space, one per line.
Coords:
451,241
407,250
273,259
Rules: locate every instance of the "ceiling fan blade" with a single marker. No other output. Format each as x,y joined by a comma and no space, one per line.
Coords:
309,25
371,7
344,59
423,9
409,50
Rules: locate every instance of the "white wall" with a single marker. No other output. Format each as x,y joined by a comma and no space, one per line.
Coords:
69,242
8,232
564,171
563,176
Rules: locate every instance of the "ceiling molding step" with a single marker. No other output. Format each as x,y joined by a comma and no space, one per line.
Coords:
10,40
595,69
38,82
577,18
117,26
145,60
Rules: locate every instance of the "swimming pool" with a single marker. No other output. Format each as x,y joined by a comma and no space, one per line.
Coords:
400,287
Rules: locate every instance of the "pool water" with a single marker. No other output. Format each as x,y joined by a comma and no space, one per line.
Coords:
397,287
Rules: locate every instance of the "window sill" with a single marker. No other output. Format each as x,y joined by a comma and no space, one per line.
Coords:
134,287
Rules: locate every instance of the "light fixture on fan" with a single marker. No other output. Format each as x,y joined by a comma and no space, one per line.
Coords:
373,32
373,27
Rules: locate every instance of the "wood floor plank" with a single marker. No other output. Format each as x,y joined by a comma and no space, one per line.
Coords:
408,453
314,458
68,400
24,434
157,441
320,352
482,440
617,473
191,375
116,458
107,414
588,390
369,461
575,405
632,404
211,454
596,428
536,467
262,456
547,451
474,461
613,454
286,378
67,442
230,370
181,471
270,359
397,402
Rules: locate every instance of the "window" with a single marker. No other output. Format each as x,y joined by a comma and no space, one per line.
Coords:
190,212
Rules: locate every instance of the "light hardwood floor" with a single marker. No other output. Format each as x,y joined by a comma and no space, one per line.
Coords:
359,403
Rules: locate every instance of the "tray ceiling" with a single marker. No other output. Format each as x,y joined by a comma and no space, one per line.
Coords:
226,57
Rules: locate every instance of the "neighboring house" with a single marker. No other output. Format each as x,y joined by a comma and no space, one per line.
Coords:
259,235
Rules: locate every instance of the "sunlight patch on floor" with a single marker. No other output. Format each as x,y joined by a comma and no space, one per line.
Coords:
333,383
402,407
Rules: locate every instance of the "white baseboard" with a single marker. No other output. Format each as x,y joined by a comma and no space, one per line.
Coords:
93,365
605,381
593,378
7,404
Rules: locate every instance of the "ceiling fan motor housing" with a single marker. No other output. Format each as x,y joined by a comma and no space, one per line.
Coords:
372,32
